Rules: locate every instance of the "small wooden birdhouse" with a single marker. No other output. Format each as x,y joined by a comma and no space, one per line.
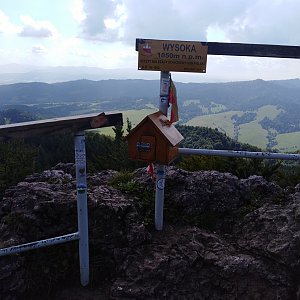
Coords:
154,139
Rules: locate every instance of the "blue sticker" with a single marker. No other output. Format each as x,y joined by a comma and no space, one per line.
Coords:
81,188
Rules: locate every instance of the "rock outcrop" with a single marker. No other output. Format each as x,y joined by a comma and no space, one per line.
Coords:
224,238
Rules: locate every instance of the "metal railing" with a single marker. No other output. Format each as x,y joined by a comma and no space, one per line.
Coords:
77,125
231,49
244,154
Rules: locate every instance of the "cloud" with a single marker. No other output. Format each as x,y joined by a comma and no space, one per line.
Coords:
78,11
256,21
96,12
275,22
37,29
176,19
168,19
103,20
6,26
38,49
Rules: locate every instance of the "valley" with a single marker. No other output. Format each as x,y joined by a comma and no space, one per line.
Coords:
262,113
236,125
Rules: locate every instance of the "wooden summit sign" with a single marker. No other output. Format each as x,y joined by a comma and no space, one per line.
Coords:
178,56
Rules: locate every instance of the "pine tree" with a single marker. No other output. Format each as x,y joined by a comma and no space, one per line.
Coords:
17,160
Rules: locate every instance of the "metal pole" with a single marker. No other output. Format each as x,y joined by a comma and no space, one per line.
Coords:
40,244
231,153
82,210
160,172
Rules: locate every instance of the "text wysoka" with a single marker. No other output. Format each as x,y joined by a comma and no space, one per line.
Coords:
179,47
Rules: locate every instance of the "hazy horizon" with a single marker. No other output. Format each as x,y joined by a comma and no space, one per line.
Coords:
17,73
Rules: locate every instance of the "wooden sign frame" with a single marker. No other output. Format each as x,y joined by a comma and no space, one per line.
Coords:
166,55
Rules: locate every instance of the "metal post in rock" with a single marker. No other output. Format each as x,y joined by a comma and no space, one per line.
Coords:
161,55
160,172
82,208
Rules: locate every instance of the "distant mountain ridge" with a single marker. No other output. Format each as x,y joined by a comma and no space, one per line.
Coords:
15,73
251,93
266,111
77,91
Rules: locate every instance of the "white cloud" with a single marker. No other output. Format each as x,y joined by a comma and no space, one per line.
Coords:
96,12
78,11
108,29
6,26
125,20
38,49
74,47
269,22
37,29
256,21
103,20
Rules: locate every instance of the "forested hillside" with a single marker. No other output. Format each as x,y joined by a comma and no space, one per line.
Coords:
258,112
14,115
208,138
244,95
23,157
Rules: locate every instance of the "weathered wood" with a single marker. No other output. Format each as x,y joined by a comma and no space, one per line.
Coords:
162,137
256,50
56,125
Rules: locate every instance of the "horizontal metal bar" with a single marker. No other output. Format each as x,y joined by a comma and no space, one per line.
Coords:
39,244
240,49
258,50
231,153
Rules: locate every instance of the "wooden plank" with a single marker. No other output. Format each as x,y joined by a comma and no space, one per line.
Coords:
56,125
256,50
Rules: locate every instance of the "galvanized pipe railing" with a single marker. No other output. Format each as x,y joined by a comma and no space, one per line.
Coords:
245,154
40,244
82,216
77,125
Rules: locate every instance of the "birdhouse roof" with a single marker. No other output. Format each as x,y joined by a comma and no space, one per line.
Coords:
161,122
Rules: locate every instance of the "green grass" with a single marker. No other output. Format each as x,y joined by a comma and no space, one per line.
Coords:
214,107
288,141
134,116
253,134
217,108
222,121
191,101
269,111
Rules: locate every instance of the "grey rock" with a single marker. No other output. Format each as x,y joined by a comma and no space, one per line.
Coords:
272,231
252,254
191,263
44,206
203,192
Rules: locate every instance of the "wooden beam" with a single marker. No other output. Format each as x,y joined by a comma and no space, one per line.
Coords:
256,50
56,125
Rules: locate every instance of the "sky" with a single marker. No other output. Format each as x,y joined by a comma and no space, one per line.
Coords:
102,33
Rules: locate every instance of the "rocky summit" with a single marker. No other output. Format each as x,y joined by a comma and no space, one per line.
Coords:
223,238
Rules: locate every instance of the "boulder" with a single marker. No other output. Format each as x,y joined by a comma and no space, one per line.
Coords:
192,263
251,252
44,206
